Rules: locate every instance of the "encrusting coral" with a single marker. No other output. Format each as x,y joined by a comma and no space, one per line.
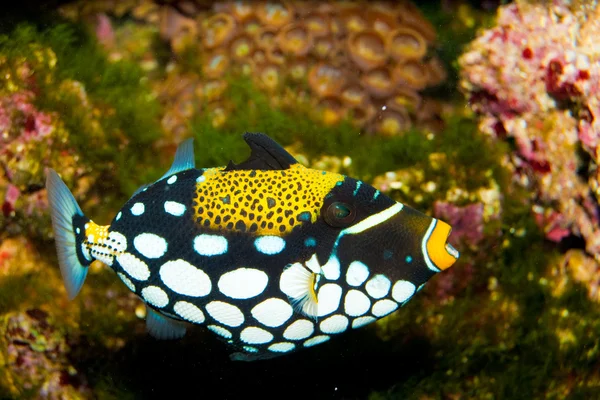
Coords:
534,80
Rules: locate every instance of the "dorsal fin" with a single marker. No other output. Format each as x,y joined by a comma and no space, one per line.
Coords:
266,154
184,158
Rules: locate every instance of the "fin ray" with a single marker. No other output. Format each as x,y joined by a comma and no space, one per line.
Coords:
162,327
266,154
299,284
184,158
63,207
141,188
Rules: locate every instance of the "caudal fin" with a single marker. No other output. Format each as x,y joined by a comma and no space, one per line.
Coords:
68,222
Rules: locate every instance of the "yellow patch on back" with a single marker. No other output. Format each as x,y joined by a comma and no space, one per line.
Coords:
266,202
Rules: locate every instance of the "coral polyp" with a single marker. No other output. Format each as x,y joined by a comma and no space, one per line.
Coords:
385,47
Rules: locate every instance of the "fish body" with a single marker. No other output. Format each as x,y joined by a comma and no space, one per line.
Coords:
269,255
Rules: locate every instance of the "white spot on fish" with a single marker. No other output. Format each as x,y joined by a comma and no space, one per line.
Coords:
118,216
316,340
243,283
134,267
225,313
356,303
357,273
127,281
150,245
282,347
269,245
402,291
100,253
329,298
174,208
331,269
189,312
172,180
219,330
313,264
272,312
362,321
184,278
251,349
77,230
254,335
155,296
117,241
384,307
210,245
138,209
378,286
298,330
201,179
334,324
86,252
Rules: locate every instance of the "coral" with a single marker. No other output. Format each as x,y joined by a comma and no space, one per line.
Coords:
49,119
388,47
534,80
34,359
40,330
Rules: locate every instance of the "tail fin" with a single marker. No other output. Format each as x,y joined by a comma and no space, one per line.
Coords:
68,222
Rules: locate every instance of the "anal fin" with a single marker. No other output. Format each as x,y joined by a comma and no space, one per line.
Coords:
240,356
161,327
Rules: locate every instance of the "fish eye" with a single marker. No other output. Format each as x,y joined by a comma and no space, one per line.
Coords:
339,214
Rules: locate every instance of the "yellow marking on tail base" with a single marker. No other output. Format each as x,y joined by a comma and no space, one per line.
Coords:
267,202
95,233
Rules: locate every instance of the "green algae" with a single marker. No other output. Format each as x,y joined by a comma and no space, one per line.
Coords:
250,110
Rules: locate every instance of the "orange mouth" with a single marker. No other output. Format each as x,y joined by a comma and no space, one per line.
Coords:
441,253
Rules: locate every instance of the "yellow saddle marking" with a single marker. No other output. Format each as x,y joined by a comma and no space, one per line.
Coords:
265,202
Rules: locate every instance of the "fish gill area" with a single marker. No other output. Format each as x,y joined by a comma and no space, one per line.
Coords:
485,116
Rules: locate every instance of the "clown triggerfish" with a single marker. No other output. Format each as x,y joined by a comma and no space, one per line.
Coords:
270,255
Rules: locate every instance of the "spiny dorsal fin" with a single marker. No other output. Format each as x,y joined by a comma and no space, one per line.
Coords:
266,154
184,158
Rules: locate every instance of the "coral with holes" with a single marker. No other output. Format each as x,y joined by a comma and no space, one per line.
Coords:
534,80
365,61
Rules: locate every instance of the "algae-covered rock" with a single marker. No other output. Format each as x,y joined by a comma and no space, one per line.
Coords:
49,119
33,358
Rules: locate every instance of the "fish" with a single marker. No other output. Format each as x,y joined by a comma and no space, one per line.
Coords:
269,255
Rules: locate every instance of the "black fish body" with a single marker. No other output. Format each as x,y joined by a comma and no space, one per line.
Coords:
269,255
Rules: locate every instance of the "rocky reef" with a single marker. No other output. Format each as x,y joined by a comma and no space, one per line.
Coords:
534,80
485,119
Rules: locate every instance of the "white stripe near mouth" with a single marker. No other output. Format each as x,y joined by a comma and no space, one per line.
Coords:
452,251
428,261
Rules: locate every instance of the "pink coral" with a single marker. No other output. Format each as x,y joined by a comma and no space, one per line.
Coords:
467,222
20,118
535,78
